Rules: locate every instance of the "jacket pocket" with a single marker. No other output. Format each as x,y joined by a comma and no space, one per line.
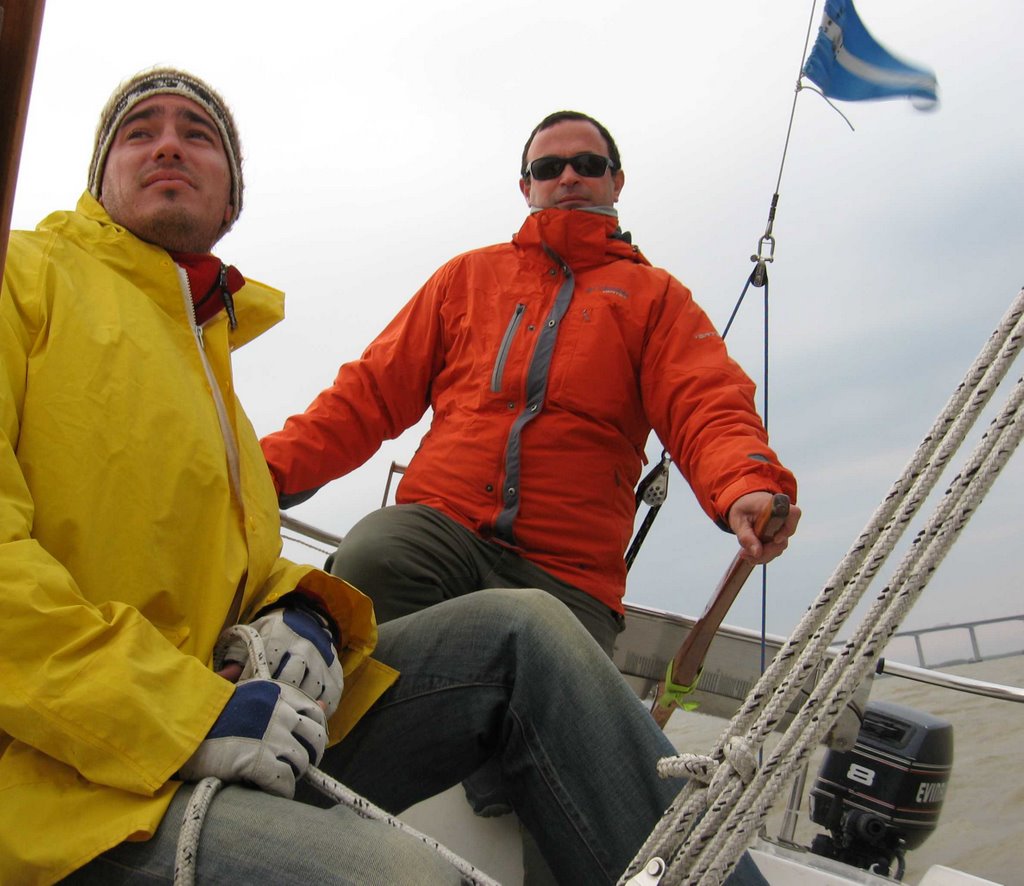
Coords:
503,349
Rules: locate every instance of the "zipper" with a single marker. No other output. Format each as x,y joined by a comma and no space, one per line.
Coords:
228,434
535,392
506,344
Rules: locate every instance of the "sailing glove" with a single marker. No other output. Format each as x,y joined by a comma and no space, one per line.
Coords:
268,735
300,650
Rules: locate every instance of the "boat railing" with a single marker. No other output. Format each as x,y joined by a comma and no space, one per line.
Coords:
966,632
311,533
956,682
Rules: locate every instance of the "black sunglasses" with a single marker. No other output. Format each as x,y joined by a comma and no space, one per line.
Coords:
588,165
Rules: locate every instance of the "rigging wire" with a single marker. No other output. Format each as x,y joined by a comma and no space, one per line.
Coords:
759,279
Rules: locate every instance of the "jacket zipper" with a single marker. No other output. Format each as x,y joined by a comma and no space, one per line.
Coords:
506,344
230,443
535,391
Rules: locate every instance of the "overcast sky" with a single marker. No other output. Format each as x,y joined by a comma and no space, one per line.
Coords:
381,139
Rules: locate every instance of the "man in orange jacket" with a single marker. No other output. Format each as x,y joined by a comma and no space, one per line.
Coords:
546,361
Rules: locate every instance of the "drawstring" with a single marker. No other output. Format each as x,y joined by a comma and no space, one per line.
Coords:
221,285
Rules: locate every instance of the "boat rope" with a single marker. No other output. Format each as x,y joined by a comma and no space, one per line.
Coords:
719,812
206,789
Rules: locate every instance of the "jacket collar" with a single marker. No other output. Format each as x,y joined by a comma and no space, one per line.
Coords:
582,239
152,269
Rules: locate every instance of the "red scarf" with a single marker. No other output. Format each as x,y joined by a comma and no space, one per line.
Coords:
208,278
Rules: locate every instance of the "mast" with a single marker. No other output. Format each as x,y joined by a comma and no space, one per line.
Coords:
20,24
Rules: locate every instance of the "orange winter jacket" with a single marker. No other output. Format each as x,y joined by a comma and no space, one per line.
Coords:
546,361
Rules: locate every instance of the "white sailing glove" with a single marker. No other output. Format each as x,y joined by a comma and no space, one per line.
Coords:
268,735
300,650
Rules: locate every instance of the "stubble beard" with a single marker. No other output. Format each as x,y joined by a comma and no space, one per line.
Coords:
177,230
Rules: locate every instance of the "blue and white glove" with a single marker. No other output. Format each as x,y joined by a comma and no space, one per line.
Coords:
268,735
300,651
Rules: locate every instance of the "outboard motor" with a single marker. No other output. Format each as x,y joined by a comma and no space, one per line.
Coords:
884,796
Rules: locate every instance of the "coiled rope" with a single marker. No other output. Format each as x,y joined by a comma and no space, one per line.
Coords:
716,816
206,789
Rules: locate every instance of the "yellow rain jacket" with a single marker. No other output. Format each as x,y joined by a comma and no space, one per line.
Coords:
137,519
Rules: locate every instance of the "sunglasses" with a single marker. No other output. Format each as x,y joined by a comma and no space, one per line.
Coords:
588,165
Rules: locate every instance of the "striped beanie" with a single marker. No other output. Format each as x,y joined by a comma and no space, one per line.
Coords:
166,81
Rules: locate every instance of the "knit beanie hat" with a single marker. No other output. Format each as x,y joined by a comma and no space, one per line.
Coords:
166,81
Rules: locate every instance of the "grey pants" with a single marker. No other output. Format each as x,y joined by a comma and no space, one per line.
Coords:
408,557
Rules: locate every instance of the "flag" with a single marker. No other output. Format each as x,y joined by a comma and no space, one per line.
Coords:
849,64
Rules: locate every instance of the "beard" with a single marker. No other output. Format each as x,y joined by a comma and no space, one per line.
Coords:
178,230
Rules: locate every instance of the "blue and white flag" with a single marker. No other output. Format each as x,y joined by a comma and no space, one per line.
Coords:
849,64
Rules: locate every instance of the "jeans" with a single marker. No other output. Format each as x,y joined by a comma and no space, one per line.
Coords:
409,557
249,837
498,673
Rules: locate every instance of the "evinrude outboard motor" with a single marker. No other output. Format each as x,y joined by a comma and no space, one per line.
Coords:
883,797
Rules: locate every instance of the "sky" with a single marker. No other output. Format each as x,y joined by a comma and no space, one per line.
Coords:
382,139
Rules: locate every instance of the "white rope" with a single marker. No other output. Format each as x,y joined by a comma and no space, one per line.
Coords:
859,656
703,834
185,860
188,839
